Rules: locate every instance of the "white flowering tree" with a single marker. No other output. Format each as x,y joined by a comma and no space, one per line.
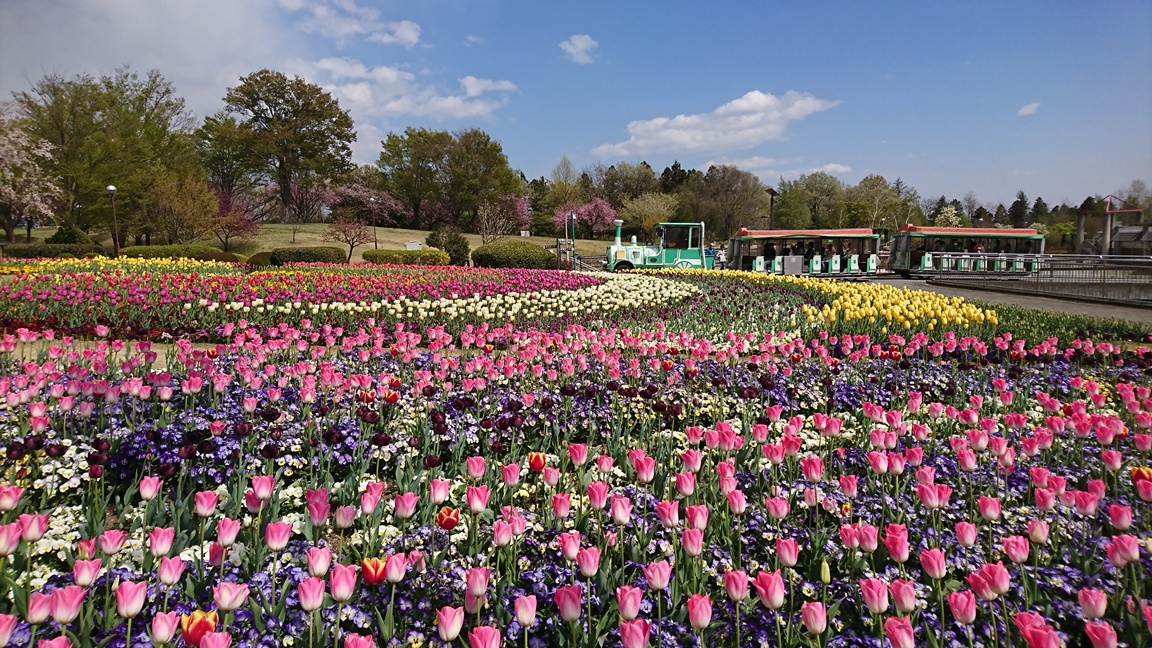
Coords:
948,217
27,191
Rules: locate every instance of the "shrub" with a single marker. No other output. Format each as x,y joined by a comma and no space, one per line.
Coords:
69,234
50,250
198,252
452,242
513,253
260,259
280,256
408,257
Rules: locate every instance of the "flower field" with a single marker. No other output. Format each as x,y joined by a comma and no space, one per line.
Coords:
408,457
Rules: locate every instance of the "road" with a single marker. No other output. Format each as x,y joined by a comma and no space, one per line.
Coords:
1142,315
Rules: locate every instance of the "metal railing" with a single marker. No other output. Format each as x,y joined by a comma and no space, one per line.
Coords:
1104,278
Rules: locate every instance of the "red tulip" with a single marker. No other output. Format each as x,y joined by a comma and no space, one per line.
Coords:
448,518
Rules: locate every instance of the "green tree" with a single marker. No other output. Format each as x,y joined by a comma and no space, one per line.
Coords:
825,195
673,177
1001,218
180,207
1039,208
793,206
292,131
623,182
1018,212
477,173
642,213
416,166
884,206
981,217
733,198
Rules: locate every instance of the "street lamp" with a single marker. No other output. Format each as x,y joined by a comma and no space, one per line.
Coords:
375,243
115,225
772,193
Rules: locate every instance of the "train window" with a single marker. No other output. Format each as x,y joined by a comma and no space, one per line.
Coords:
676,238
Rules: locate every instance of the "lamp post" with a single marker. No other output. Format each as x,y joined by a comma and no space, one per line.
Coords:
375,243
115,225
772,193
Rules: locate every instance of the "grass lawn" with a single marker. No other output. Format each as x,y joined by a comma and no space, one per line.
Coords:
278,236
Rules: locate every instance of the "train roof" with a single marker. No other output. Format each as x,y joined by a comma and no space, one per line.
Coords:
859,232
991,232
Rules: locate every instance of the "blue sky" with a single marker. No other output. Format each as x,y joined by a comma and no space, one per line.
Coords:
1051,97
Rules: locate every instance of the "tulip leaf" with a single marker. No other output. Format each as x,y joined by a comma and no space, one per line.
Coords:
257,614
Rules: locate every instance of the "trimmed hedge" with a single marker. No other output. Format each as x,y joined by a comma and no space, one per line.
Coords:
408,257
280,256
513,253
452,242
69,234
197,252
50,250
260,259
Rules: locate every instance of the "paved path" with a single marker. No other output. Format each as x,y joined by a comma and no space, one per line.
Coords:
1142,315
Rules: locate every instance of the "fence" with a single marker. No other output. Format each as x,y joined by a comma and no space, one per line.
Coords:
1097,278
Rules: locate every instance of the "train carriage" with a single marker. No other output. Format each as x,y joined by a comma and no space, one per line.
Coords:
919,250
826,252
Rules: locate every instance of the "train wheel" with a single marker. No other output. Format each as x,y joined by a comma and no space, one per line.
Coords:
622,266
905,274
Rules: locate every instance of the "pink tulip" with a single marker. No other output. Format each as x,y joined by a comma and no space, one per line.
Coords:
263,486
875,592
568,599
216,640
693,459
879,462
1045,499
692,540
343,582
685,484
578,454
657,575
777,507
849,537
149,488
815,617
900,633
737,503
170,570
896,540
359,641
10,538
449,621
10,498
164,626
438,490
770,588
85,572
318,560
699,611
669,514
635,634
736,584
965,534
963,606
868,537
903,595
569,544
561,505
226,532
405,505
205,503
588,560
276,535
311,593
1120,516
1093,602
598,495
160,541
787,551
39,608
989,508
477,498
1038,531
484,637
318,512
501,533
628,601
66,603
1101,634
813,468
645,469
130,598
621,509
848,485
510,474
477,580
551,476
934,563
1123,549
697,516
525,607
344,517
475,468
230,596
1017,548
112,541
604,464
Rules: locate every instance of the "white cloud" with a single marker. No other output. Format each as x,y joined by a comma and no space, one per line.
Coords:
771,169
578,48
739,124
1029,109
471,40
344,19
387,92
